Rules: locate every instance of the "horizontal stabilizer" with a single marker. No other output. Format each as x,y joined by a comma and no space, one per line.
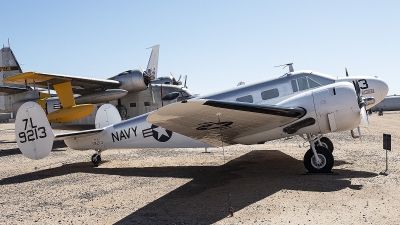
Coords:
78,134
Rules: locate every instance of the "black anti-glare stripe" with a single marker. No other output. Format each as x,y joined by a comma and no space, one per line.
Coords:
263,109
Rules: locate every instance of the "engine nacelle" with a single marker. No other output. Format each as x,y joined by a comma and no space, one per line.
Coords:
131,80
334,108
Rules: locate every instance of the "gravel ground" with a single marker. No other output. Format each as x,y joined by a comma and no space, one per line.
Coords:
267,184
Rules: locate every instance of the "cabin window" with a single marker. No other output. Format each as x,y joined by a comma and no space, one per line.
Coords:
268,94
247,98
132,104
147,103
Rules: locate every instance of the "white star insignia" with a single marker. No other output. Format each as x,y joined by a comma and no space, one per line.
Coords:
161,131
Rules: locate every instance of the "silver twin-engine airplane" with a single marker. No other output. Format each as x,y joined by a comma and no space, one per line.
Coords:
304,103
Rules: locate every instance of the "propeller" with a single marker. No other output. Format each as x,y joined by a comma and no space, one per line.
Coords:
362,102
148,78
174,81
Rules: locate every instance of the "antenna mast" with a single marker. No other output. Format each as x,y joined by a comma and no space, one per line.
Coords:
290,65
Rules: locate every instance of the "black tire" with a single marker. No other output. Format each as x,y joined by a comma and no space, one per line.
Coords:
327,143
96,159
324,154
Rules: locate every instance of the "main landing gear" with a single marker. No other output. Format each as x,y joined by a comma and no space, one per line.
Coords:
319,158
96,158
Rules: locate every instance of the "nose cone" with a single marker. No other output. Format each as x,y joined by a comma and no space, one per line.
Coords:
381,90
384,89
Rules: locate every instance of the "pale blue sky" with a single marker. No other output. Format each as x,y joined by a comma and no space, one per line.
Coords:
216,43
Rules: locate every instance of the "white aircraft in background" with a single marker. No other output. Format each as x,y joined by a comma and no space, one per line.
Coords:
389,103
303,103
133,92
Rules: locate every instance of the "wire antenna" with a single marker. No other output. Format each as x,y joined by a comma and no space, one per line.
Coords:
226,172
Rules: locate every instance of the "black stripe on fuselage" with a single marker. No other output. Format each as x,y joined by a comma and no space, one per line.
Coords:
263,109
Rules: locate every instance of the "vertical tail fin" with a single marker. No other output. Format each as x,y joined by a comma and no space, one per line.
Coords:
152,66
107,115
8,63
33,133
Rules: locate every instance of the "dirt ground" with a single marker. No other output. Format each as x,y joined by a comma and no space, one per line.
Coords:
267,184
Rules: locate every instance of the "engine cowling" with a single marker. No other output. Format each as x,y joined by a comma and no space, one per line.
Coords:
132,80
334,107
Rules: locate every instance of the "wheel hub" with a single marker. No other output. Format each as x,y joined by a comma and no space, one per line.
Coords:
318,165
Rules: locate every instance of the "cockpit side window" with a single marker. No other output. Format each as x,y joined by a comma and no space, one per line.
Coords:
313,83
322,80
271,93
302,82
247,98
294,86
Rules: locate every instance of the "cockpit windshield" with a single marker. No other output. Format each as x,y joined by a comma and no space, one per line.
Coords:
310,81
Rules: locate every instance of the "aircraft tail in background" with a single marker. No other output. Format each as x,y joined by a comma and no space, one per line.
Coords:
152,66
8,63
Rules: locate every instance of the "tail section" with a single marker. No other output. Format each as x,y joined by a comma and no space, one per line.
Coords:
152,66
107,115
33,133
8,64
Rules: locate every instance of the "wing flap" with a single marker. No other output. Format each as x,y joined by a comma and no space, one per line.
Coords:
205,120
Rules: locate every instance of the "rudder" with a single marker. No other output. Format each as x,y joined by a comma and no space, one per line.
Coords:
33,133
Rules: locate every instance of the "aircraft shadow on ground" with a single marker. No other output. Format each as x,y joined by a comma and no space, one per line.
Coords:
57,146
252,177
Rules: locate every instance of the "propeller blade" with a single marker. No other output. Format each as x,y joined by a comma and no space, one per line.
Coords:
358,90
364,115
347,74
152,93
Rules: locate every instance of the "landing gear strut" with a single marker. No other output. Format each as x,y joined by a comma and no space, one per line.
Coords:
319,159
96,158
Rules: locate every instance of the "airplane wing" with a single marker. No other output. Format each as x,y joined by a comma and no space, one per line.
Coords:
6,90
198,119
80,85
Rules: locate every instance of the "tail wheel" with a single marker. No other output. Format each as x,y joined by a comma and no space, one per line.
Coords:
324,166
96,159
326,143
